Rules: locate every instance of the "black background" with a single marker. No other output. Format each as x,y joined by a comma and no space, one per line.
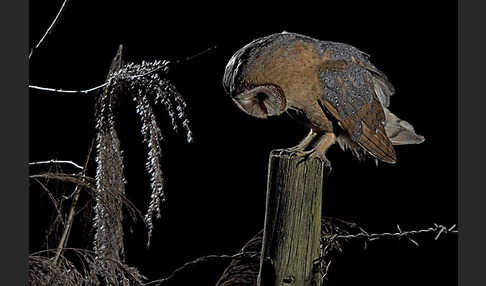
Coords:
216,186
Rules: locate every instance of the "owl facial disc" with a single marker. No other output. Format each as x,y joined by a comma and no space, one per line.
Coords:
262,101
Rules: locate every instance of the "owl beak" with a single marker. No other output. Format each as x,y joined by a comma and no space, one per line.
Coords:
250,104
261,102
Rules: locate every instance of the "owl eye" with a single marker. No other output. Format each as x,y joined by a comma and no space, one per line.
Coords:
260,96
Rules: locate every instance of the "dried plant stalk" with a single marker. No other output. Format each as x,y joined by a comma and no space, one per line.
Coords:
110,183
147,89
145,86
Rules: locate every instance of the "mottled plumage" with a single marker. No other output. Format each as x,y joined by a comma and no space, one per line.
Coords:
332,88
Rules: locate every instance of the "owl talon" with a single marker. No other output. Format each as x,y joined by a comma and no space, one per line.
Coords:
284,152
305,155
292,152
323,158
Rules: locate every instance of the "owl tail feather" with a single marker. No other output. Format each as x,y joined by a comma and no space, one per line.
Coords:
400,131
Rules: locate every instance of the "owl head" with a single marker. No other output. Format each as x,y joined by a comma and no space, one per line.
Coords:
245,81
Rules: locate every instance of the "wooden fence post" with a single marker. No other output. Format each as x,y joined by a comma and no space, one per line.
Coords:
292,231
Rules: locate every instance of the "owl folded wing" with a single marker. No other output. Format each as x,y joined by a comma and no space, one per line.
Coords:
353,94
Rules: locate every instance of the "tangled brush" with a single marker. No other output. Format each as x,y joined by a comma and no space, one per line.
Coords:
146,85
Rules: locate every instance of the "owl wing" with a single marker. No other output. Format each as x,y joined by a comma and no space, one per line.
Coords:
354,93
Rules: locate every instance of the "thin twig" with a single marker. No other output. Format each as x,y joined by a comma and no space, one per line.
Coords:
81,250
84,181
190,58
207,258
49,30
88,182
52,198
72,211
86,91
326,270
52,161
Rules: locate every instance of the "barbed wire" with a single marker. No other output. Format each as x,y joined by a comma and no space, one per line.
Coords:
331,240
439,229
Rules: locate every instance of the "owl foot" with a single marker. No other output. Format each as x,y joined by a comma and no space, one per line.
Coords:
321,156
303,155
291,152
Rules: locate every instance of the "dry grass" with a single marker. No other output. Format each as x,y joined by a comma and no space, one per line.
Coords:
145,85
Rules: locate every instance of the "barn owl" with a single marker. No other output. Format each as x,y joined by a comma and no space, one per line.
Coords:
332,88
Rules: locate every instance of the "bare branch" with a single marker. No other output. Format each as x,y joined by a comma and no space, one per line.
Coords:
84,181
72,211
52,198
190,58
52,161
88,183
86,91
49,30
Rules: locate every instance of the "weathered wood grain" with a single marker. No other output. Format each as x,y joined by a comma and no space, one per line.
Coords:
292,227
